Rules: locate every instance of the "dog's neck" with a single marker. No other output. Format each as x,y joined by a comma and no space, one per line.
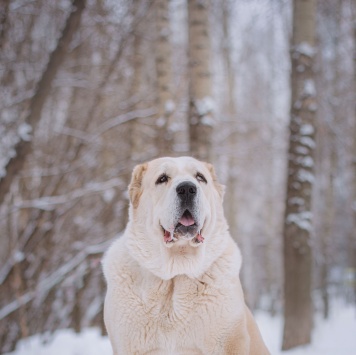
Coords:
181,258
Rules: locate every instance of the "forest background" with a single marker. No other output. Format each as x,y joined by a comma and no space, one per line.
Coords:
91,88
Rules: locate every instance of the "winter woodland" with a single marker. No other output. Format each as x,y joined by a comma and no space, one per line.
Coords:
264,89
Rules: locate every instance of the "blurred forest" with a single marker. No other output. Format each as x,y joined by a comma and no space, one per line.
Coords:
90,88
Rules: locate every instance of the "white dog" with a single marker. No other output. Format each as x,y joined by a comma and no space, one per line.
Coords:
173,282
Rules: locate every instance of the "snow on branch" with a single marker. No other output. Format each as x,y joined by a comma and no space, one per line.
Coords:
304,48
48,203
301,219
126,117
45,285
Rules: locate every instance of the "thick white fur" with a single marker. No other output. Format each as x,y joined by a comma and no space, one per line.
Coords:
183,299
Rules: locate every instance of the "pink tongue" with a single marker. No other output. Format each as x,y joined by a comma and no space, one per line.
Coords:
186,221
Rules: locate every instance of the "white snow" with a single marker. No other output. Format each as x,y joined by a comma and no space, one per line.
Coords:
302,150
307,141
108,195
305,161
24,131
296,201
309,88
18,256
66,342
301,219
205,105
335,336
207,120
305,176
305,49
306,129
160,122
169,106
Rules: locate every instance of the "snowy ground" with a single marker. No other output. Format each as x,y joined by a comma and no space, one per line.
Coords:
336,336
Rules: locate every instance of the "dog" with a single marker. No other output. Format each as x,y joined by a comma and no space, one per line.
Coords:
173,282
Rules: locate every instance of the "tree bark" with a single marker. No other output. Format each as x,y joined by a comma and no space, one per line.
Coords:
353,237
298,218
201,104
165,103
23,147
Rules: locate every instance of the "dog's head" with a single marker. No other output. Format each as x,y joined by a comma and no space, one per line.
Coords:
176,203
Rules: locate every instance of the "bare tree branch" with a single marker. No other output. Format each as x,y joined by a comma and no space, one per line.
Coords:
24,147
53,279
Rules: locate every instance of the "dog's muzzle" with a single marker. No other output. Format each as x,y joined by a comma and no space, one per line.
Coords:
187,226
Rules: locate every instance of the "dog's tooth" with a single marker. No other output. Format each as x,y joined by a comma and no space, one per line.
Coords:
200,238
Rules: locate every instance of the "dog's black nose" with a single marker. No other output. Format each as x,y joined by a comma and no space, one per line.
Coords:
186,190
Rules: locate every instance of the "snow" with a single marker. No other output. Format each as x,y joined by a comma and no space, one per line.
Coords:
207,120
205,105
305,176
309,88
160,122
169,107
302,150
306,129
18,256
298,201
305,161
108,195
330,337
24,131
305,49
301,219
67,342
307,141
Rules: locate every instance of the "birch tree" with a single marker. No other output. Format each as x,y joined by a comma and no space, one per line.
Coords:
200,93
298,217
231,197
353,237
163,54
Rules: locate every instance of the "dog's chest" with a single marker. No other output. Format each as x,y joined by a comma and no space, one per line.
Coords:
176,314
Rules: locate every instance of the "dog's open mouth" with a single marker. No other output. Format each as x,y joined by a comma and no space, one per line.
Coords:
186,228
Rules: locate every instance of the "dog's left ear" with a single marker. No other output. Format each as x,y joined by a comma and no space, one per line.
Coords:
219,187
135,187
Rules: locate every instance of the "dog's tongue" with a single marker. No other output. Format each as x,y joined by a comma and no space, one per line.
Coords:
186,219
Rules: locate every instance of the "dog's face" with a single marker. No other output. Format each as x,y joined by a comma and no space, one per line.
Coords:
175,202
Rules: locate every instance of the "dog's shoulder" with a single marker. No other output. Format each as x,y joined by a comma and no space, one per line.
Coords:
116,260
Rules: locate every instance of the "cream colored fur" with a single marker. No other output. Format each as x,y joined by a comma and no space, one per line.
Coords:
182,298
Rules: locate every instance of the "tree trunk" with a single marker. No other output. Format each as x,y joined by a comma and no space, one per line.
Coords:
231,197
138,139
201,104
24,147
353,237
298,218
165,103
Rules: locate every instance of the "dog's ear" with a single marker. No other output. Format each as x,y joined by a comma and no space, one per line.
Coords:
219,187
135,187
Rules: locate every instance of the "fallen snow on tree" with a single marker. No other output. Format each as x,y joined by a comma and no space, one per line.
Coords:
309,88
24,131
205,105
305,49
306,129
301,219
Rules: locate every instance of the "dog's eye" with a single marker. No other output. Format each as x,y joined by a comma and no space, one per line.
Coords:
162,179
200,177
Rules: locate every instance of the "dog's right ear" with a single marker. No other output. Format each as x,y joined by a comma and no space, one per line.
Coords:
135,187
